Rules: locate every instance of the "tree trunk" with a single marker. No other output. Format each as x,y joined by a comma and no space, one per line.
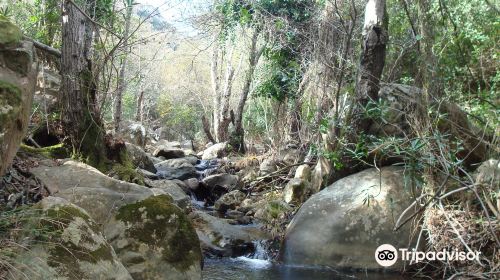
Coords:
206,129
121,77
215,87
374,40
253,59
138,112
80,115
224,117
428,60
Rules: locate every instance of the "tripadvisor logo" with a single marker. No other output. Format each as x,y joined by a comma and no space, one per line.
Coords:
387,255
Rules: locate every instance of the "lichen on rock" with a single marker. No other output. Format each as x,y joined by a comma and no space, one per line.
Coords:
65,243
157,222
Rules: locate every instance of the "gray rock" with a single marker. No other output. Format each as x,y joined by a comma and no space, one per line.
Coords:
168,153
295,190
234,214
147,174
303,172
267,166
174,190
192,184
220,238
139,157
337,227
75,247
227,181
151,235
215,151
18,71
229,200
176,169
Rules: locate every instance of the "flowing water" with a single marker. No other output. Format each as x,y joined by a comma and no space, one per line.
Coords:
254,269
257,266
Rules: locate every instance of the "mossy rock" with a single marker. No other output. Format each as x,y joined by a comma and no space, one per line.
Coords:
58,151
9,33
65,243
10,103
155,240
127,174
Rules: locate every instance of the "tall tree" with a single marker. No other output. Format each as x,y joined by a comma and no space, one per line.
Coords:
428,60
121,77
374,41
254,55
80,114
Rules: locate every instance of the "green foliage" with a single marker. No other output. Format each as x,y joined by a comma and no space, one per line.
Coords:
181,118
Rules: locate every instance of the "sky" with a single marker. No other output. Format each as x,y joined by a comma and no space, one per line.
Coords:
177,12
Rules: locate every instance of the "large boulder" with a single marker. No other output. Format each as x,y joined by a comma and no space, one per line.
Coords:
173,189
18,71
215,151
72,246
140,226
155,240
342,225
219,238
178,168
139,158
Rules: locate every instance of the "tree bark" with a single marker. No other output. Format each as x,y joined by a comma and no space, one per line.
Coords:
138,112
121,77
374,40
429,60
80,114
206,129
215,86
253,59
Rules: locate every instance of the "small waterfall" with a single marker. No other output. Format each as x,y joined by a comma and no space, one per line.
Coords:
260,252
259,259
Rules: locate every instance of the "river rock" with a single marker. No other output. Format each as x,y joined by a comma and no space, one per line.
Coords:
267,166
337,227
140,226
219,238
18,72
174,190
73,246
229,200
192,184
225,181
140,158
154,239
295,190
215,151
168,153
269,211
303,172
176,169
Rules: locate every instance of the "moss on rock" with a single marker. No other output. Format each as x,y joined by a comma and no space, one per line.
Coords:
58,151
73,238
10,101
158,223
9,33
127,174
